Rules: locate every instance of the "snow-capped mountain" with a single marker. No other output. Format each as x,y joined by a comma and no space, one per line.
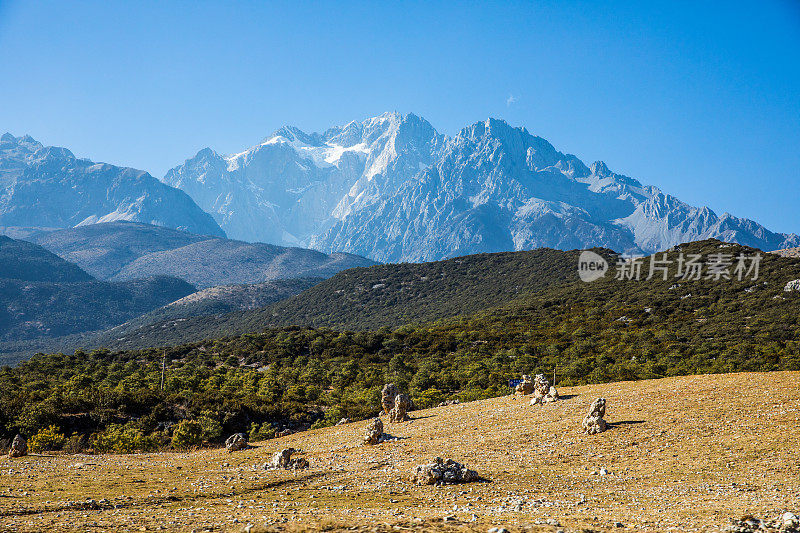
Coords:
393,189
294,186
46,186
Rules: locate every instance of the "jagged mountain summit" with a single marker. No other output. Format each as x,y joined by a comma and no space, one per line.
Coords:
47,186
394,189
294,186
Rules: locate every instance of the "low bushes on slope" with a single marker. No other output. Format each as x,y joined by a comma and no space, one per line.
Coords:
608,330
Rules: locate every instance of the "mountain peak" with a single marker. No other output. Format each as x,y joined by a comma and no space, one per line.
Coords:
70,191
392,188
599,168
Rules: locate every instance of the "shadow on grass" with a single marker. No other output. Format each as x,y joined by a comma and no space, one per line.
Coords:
612,425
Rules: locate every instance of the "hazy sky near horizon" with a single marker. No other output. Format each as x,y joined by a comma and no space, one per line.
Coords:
701,99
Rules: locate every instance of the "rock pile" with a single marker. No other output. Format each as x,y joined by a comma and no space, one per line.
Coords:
19,447
399,413
593,423
283,460
526,387
374,433
236,442
388,394
786,523
442,471
543,392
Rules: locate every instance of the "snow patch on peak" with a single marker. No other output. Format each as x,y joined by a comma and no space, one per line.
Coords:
392,188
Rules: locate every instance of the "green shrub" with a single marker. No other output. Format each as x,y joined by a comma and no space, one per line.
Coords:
76,444
126,438
46,439
263,432
428,398
188,434
212,429
332,416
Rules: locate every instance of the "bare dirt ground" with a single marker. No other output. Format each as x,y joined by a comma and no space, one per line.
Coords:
682,454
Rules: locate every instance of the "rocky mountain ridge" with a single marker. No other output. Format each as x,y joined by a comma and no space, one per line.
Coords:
123,251
394,189
47,186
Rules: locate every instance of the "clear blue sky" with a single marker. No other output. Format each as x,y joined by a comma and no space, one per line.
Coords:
699,98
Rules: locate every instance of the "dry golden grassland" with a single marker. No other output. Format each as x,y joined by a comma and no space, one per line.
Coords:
682,454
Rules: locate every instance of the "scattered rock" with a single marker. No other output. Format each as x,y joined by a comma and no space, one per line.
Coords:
388,395
283,460
89,504
543,392
399,413
19,447
444,472
284,433
236,442
526,387
449,402
374,433
793,285
343,421
790,520
786,523
593,423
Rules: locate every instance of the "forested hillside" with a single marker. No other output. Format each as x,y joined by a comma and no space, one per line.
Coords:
43,296
607,330
25,261
379,296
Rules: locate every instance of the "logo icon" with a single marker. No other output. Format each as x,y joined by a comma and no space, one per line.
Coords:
591,266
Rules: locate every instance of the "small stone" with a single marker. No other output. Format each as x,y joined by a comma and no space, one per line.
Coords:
525,387
593,423
283,459
236,442
19,447
388,394
398,413
374,433
449,402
